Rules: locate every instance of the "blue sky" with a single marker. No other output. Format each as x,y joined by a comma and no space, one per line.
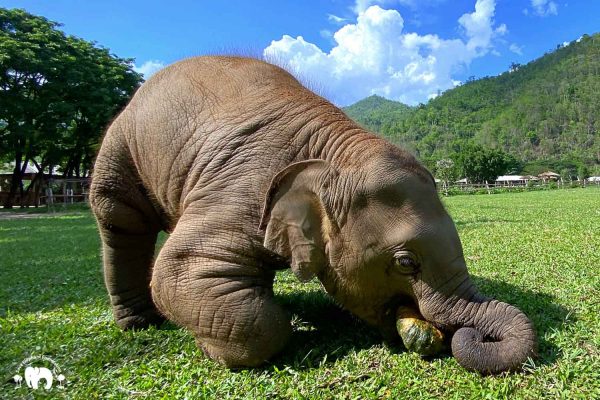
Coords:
406,50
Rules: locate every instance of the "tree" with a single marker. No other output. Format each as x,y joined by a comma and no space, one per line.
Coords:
566,175
480,164
582,172
57,94
445,170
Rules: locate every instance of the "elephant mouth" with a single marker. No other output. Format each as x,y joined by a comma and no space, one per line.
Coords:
388,325
388,320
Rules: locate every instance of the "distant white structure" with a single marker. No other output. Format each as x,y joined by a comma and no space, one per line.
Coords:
8,168
593,179
515,179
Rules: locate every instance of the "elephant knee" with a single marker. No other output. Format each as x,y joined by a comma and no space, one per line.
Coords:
256,351
229,308
241,343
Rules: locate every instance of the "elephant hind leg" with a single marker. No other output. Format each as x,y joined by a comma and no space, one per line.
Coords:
127,270
128,228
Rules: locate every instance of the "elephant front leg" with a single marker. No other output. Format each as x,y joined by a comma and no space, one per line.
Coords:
228,307
242,326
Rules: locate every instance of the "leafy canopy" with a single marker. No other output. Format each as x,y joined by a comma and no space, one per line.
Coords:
57,95
57,92
479,164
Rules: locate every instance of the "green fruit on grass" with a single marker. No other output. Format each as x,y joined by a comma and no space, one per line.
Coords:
420,336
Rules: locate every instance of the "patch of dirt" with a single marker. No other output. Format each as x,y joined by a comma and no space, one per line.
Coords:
22,215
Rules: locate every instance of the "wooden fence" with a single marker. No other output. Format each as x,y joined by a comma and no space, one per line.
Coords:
68,191
492,188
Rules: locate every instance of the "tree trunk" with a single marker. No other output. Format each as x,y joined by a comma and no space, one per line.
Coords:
37,183
22,199
68,168
15,179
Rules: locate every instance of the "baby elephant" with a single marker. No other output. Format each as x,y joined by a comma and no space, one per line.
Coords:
250,172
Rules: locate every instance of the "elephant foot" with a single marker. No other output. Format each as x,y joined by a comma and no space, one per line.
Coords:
260,331
138,320
235,356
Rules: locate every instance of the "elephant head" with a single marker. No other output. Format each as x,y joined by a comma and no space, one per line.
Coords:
375,233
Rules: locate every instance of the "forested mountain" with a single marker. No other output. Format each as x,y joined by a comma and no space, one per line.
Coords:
378,114
545,113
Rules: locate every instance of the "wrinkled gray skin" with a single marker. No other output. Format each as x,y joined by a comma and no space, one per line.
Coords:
249,171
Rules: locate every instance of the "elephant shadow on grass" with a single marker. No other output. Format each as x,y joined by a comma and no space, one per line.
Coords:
324,332
322,329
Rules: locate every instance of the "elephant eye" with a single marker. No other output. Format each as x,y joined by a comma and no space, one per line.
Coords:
406,263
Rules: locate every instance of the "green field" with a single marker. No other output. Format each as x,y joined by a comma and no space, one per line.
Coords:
539,251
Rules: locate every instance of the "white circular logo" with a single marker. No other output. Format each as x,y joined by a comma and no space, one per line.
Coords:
39,372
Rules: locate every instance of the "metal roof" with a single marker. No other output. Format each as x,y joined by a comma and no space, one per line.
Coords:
515,178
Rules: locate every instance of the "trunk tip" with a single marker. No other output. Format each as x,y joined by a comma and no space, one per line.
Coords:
491,357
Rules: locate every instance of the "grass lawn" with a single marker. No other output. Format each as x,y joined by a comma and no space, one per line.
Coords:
539,251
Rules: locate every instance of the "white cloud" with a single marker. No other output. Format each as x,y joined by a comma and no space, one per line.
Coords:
361,6
501,30
335,19
326,33
375,55
478,25
544,8
149,68
515,48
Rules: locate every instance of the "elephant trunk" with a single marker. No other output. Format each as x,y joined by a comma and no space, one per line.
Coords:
491,336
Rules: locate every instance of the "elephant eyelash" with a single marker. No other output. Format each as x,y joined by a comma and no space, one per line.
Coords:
406,263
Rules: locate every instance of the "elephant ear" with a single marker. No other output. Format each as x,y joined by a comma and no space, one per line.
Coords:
295,217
